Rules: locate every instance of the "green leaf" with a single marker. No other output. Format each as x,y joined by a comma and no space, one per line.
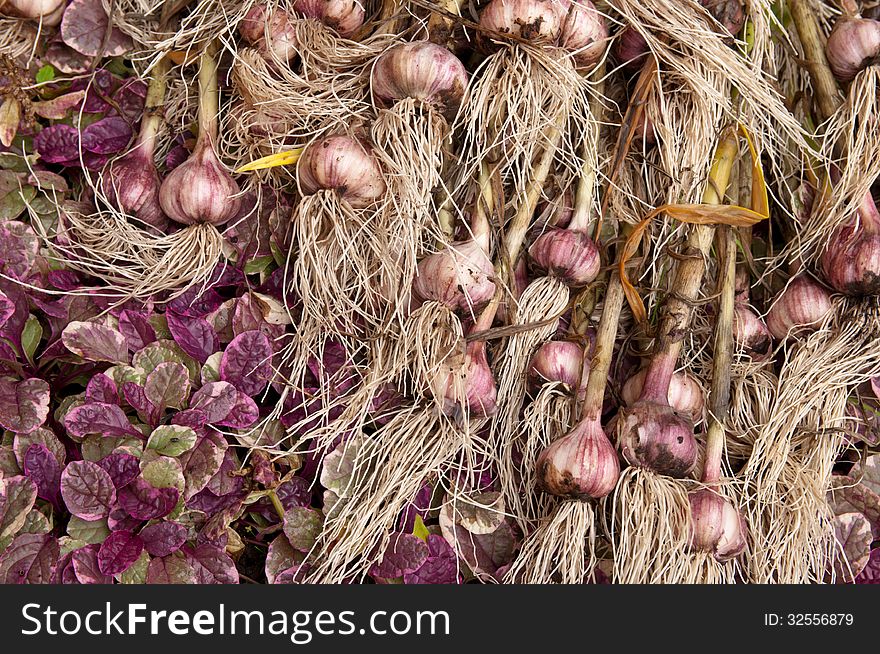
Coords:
137,573
420,530
31,336
168,386
258,264
88,531
45,74
172,440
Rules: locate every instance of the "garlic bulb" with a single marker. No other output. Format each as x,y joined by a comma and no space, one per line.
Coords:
582,464
466,383
684,394
567,254
458,277
729,13
654,436
717,526
131,184
200,190
560,361
803,303
270,33
421,70
344,164
851,261
750,333
630,48
852,45
30,8
585,33
344,16
533,20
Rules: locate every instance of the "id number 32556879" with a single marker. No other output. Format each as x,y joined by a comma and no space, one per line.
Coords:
808,619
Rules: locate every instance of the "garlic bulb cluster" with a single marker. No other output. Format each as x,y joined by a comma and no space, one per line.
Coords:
803,303
200,190
581,465
654,436
343,16
270,32
575,26
851,261
459,277
853,44
343,164
421,70
567,254
717,526
684,394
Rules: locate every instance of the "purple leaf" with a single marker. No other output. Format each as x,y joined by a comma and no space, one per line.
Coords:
87,490
246,362
871,573
123,468
119,520
65,280
95,342
107,136
195,303
194,335
29,559
24,405
294,492
167,386
136,328
86,566
119,552
65,58
64,572
281,556
7,308
172,569
244,414
99,418
144,502
83,28
136,396
441,567
19,247
42,436
853,533
41,466
58,144
405,553
216,399
195,419
163,538
212,565
17,497
102,389
130,98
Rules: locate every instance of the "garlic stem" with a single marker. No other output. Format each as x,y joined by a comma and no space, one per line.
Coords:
825,86
209,92
677,308
603,350
586,189
153,104
480,227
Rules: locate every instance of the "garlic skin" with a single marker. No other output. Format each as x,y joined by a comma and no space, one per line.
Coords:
344,164
630,48
751,334
568,255
655,437
684,395
581,465
344,16
804,303
533,20
851,261
32,9
717,526
559,361
131,184
466,384
257,25
459,277
200,190
585,34
852,45
421,70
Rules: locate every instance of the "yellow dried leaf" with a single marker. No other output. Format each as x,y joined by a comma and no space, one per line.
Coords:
271,161
10,116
